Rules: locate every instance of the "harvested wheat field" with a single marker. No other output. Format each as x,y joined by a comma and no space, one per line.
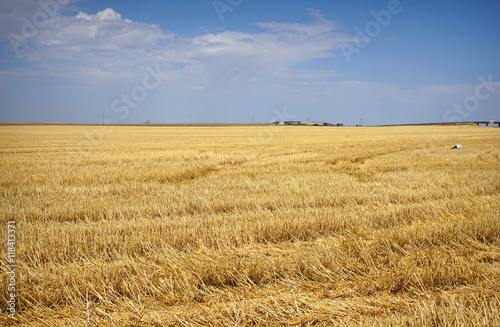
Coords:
252,225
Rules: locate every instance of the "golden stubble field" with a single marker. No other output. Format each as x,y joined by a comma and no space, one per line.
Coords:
252,226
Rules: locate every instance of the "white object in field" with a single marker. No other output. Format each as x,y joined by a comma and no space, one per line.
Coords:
458,146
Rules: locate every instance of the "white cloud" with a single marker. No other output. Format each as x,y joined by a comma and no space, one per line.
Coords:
308,74
106,14
92,49
105,44
240,59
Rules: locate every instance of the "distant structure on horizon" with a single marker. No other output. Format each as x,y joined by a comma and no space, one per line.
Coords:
312,123
316,124
490,123
292,122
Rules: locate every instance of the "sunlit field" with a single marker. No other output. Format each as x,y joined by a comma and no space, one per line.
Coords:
252,225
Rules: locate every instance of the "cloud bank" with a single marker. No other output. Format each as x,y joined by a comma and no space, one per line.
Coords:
105,44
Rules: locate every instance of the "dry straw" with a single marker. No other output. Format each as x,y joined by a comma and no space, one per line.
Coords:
213,226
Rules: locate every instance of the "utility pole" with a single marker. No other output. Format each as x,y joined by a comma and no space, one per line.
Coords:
103,119
361,121
253,120
189,119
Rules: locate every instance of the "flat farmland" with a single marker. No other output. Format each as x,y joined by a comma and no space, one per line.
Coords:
251,225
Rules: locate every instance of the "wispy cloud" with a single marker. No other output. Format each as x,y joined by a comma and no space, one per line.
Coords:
231,58
106,44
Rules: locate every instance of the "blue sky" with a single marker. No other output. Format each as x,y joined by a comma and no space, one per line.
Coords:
241,61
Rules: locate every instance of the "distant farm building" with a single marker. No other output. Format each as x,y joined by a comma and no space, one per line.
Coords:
292,122
276,122
340,124
316,124
490,123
